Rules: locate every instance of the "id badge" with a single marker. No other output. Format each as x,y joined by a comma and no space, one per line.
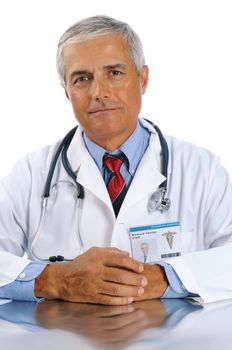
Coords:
156,242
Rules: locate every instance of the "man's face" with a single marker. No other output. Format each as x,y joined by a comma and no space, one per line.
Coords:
104,88
145,249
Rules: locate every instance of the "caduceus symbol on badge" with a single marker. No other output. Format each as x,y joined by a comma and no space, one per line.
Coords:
169,237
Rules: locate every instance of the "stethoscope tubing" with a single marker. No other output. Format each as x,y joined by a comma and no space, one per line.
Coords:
66,139
62,151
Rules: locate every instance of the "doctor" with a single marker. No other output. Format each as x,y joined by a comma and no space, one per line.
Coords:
146,256
117,158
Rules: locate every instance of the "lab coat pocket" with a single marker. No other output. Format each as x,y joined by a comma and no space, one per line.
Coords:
187,237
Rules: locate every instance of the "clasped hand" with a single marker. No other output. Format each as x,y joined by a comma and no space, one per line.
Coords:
102,276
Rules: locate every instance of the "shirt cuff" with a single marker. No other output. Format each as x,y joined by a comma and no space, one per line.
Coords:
176,289
23,287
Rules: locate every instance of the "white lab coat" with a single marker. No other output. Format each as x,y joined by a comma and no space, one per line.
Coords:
198,186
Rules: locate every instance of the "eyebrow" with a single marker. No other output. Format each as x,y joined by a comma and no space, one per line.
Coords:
113,66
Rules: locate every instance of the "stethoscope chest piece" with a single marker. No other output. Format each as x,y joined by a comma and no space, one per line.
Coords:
157,201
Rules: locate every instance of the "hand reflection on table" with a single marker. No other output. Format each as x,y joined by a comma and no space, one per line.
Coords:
108,324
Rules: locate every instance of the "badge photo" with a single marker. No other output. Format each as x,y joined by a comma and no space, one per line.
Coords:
152,243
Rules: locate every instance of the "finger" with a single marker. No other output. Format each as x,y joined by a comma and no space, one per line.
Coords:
124,277
120,260
109,300
129,331
104,251
125,252
106,311
114,323
120,290
116,250
98,311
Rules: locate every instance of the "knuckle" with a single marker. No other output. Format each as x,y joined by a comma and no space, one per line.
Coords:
90,250
87,270
119,277
115,290
93,250
124,260
93,269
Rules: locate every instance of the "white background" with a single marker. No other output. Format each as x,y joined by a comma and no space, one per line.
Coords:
188,46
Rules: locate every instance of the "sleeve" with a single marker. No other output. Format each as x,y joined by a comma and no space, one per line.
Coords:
14,208
15,191
23,286
208,272
176,289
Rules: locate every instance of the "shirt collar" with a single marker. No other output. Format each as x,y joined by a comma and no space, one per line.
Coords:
138,139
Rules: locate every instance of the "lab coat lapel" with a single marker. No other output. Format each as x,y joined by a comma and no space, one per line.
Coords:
88,174
147,177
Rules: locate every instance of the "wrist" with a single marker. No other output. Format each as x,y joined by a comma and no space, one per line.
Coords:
157,282
46,284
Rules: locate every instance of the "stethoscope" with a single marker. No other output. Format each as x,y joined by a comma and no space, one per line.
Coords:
157,201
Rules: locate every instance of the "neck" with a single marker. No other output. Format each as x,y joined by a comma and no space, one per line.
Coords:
110,143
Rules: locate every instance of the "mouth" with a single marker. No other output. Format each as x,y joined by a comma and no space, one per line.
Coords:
103,111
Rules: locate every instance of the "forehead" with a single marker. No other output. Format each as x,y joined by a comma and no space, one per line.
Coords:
106,49
144,245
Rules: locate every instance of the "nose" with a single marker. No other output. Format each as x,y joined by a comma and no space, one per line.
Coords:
99,89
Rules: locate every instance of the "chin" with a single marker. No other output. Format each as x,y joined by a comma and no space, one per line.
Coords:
108,124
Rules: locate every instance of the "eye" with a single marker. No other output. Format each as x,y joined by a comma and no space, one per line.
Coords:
115,73
82,79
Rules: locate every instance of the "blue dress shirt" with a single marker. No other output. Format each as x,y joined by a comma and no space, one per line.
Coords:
134,148
23,287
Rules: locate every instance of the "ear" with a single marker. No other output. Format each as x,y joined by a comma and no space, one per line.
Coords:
66,94
65,90
144,77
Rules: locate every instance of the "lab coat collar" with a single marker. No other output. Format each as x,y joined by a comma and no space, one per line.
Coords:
148,175
158,154
88,174
146,179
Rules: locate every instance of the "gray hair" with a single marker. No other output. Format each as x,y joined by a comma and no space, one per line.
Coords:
144,244
92,27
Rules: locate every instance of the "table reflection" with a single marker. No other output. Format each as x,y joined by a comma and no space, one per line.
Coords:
112,325
153,324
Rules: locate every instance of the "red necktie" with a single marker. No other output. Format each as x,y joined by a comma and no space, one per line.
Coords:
116,185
